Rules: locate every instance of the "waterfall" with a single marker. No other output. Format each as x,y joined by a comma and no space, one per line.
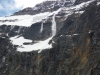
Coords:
19,30
41,28
53,26
12,27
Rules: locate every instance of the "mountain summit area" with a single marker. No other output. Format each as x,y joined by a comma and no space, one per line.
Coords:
59,37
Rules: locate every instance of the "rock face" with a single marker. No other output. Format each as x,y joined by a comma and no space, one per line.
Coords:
46,6
75,47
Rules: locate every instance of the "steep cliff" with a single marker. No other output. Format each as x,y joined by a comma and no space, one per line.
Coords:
68,43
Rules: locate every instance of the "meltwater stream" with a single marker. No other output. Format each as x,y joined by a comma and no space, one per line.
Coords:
41,28
53,26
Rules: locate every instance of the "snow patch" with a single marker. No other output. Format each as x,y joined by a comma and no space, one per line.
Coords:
40,45
53,41
79,12
98,3
19,40
28,20
23,20
37,46
75,34
82,5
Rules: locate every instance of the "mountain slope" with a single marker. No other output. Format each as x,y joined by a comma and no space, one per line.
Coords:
46,6
33,25
61,42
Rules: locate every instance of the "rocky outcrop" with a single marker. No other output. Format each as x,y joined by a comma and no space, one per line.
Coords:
80,1
32,32
46,6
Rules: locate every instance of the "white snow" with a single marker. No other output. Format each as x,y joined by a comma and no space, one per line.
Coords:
55,12
23,20
40,45
53,41
37,46
82,5
19,40
77,7
75,34
98,3
79,12
28,20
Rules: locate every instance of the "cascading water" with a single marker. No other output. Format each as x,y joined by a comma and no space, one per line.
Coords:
53,26
41,28
12,27
19,29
